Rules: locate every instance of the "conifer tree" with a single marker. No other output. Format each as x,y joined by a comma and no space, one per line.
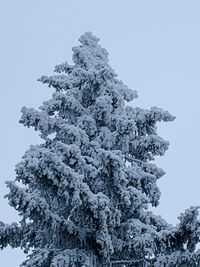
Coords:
83,195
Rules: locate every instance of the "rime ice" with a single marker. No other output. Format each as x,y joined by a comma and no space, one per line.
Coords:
87,187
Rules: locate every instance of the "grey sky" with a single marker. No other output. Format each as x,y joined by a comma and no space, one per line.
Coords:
154,46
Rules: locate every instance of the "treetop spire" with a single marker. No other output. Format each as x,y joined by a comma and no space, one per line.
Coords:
89,39
90,55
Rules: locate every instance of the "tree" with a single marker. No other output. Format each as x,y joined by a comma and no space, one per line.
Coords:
83,195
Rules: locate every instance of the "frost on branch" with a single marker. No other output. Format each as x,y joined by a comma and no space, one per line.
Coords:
83,194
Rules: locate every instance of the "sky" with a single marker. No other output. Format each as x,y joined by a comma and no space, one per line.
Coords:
154,47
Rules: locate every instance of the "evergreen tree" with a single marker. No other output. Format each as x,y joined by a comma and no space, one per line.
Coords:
83,195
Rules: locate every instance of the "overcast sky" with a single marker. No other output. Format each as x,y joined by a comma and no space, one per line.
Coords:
154,47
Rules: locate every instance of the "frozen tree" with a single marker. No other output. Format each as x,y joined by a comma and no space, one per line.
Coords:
83,195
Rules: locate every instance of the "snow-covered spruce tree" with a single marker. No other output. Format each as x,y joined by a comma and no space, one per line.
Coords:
83,194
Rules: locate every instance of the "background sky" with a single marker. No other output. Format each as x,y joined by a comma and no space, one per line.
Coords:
154,47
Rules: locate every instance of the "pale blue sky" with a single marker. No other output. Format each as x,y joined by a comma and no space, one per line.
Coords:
154,46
